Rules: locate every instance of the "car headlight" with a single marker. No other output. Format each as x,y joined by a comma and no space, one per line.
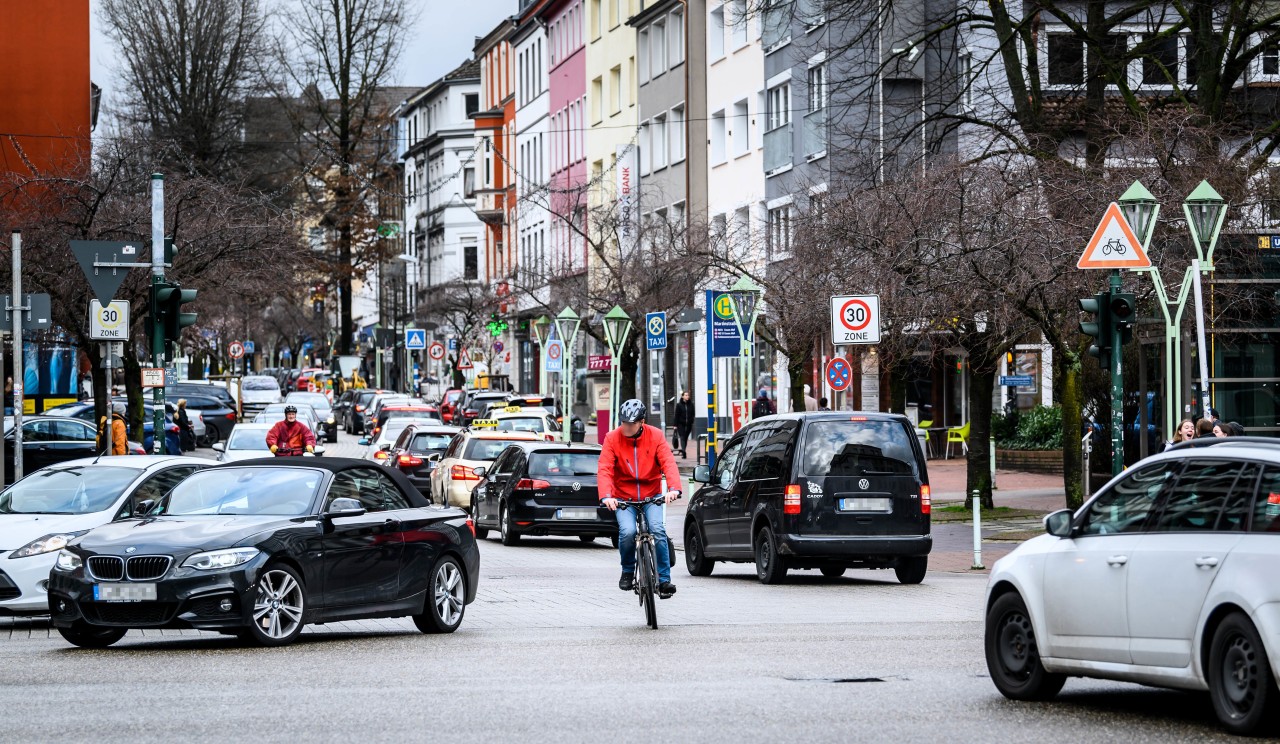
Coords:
68,561
215,559
46,544
329,420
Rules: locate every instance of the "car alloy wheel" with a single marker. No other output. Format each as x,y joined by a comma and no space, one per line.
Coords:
505,528
1013,659
278,607
447,602
481,532
1241,685
695,560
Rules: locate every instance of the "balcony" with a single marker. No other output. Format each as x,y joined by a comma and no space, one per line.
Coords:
489,205
777,149
815,134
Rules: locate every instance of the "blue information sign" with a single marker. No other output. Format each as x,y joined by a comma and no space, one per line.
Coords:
415,338
722,324
1017,380
248,347
555,355
453,344
655,331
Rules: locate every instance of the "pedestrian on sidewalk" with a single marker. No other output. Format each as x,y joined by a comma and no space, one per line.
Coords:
1204,428
809,403
1186,431
683,423
823,404
763,406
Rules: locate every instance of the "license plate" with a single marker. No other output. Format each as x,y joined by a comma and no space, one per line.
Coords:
124,592
865,504
585,513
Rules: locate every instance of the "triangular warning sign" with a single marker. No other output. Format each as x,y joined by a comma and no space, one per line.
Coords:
1113,245
464,361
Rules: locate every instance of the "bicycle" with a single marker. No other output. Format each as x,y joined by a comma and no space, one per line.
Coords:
646,576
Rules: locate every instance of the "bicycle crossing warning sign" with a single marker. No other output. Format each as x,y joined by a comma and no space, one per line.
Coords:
1113,245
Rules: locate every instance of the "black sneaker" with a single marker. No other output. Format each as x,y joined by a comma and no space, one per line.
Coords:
627,582
666,589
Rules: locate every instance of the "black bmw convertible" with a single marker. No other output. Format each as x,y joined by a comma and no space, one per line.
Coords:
260,548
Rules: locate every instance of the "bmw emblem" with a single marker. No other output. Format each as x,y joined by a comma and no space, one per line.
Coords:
130,550
576,486
864,484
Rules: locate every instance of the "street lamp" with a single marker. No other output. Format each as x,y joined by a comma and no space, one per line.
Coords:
1205,210
567,323
540,328
1140,210
617,326
746,295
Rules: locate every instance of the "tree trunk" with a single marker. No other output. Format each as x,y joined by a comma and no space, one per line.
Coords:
1066,373
628,363
797,368
133,392
344,284
982,379
897,374
195,371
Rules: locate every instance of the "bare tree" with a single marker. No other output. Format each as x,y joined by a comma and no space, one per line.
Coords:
461,307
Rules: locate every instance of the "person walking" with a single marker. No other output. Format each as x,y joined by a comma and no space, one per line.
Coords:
119,435
186,431
763,406
1186,431
809,403
684,422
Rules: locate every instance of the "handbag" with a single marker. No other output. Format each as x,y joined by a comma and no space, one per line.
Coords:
675,439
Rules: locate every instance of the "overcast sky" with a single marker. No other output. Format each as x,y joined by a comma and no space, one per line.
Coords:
441,40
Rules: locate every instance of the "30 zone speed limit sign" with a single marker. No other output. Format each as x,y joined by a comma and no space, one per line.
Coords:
855,319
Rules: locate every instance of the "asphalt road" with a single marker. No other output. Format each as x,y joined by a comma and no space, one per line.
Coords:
552,651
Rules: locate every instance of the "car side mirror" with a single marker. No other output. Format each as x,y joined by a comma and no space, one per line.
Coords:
318,450
702,474
344,508
480,471
219,447
363,442
1058,523
384,446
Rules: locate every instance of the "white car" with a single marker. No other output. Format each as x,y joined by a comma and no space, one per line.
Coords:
248,441
1167,577
455,475
47,509
257,392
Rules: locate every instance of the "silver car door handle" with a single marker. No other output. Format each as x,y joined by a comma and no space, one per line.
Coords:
1117,560
1206,561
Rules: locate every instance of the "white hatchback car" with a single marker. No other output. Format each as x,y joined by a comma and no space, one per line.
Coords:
47,509
1167,577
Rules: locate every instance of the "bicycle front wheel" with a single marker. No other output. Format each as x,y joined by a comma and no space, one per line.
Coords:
648,583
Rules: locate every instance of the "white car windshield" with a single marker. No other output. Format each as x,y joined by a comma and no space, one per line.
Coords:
260,383
66,491
246,491
248,439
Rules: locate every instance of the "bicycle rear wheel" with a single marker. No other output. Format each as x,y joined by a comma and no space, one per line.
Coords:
648,583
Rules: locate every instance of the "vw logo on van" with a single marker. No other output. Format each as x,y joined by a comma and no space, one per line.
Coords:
864,484
576,486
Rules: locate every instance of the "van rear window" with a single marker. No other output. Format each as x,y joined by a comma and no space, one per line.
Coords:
852,448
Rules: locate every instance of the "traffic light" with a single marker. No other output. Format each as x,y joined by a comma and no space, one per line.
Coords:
1099,327
169,299
1124,313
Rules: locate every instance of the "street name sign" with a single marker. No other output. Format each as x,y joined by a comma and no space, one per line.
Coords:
855,319
415,338
118,257
109,322
1017,380
1113,245
655,331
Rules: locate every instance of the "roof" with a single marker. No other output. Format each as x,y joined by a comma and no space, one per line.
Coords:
511,435
137,462
542,446
333,465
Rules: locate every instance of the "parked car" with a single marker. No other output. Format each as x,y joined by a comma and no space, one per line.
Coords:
200,389
449,404
49,440
417,450
354,417
1166,577
825,491
217,417
44,511
263,548
536,488
258,392
454,476
319,402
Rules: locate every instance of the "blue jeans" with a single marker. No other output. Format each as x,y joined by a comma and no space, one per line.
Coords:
627,540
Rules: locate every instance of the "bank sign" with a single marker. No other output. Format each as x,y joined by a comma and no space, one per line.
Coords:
723,324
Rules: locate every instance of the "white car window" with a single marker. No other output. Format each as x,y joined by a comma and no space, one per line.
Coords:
1208,496
1127,505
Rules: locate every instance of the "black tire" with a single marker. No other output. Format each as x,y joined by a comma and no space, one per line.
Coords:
446,601
771,568
1241,685
481,532
333,436
646,582
85,635
911,570
274,592
832,572
587,538
1013,659
696,561
506,528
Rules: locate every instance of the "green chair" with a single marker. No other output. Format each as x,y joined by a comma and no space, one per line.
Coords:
924,427
960,435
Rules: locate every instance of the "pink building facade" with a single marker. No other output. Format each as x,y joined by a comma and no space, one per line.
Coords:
566,39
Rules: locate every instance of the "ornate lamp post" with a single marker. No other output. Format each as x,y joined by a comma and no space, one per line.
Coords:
567,323
541,326
1205,210
746,308
617,326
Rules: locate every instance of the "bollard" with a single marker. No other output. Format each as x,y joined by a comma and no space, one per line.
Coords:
977,532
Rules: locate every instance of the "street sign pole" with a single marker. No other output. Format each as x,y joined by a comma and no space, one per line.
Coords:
157,331
15,314
711,382
1117,387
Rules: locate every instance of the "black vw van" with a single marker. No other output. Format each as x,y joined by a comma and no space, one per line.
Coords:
831,491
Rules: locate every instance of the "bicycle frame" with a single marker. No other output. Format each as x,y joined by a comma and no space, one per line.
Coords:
646,576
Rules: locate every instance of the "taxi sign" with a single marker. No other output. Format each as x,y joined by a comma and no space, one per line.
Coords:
513,409
484,423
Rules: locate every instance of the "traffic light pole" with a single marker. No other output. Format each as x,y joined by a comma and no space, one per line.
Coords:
157,326
1117,385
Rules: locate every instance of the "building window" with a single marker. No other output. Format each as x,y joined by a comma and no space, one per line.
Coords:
470,263
615,90
597,95
646,149
1160,63
778,235
817,79
1190,66
964,79
1066,60
1271,59
659,142
472,103
596,10
658,47
717,137
779,102
675,39
676,134
715,35
642,49
468,182
741,128
776,21
739,21
315,237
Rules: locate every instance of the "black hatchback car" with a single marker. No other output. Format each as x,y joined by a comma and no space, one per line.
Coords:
417,450
542,488
260,548
827,491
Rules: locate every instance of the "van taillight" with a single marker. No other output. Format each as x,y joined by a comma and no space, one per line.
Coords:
926,499
791,502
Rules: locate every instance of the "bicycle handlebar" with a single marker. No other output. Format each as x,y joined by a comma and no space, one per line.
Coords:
659,499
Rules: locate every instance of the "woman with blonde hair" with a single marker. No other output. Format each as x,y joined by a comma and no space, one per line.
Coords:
1185,431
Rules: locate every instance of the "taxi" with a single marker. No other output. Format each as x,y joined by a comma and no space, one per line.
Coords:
478,445
540,421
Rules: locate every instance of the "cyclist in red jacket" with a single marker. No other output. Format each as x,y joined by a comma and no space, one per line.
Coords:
291,436
633,462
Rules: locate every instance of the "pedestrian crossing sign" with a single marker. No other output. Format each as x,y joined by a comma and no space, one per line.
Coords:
415,338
